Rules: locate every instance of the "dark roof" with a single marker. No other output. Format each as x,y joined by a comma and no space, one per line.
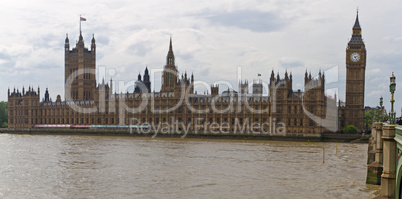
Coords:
356,39
357,24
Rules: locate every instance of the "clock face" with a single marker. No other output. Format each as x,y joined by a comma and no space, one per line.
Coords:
355,57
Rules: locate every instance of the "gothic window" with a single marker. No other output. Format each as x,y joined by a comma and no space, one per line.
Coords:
278,95
279,109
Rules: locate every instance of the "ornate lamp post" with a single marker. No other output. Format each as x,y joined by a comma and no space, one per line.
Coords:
380,115
392,87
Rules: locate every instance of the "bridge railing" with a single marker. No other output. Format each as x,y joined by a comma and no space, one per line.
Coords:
386,168
398,160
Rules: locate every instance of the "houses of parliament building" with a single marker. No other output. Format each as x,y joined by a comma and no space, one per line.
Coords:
90,103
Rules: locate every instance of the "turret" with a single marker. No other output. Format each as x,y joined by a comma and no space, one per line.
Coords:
80,39
170,72
139,77
286,75
147,82
306,80
277,77
170,55
67,44
272,79
214,90
46,95
93,45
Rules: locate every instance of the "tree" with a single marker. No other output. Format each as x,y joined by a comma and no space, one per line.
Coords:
350,129
369,117
5,125
372,116
3,112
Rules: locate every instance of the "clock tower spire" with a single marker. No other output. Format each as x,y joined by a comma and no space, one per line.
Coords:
355,78
170,72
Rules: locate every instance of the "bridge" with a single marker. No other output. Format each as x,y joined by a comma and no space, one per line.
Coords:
384,159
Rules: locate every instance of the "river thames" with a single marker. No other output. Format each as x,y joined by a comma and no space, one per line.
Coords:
50,166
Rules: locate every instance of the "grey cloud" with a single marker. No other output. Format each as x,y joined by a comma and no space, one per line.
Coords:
186,56
253,20
8,65
290,63
391,59
4,56
102,40
140,48
48,41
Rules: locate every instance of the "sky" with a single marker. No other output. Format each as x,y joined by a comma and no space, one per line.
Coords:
214,40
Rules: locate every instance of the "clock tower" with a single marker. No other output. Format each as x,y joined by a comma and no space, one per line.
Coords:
355,78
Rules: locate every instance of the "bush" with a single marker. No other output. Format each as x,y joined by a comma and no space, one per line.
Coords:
350,129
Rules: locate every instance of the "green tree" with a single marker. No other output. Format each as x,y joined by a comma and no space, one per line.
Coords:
5,125
369,117
350,129
3,112
372,116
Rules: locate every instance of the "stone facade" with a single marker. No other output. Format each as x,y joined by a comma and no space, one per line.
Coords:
355,78
89,104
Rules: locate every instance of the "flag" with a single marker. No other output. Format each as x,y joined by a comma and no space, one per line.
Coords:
259,74
83,19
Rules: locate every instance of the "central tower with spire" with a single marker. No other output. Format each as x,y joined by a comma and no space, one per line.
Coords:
169,76
355,78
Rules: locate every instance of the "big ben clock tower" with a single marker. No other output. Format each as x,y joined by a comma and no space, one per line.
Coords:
355,78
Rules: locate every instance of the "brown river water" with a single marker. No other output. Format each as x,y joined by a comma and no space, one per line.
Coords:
49,166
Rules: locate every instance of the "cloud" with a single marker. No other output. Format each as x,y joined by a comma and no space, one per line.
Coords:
290,62
253,20
374,93
140,48
102,40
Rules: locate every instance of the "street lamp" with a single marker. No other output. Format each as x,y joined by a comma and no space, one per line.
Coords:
380,116
392,87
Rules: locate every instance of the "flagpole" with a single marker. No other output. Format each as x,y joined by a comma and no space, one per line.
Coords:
80,24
